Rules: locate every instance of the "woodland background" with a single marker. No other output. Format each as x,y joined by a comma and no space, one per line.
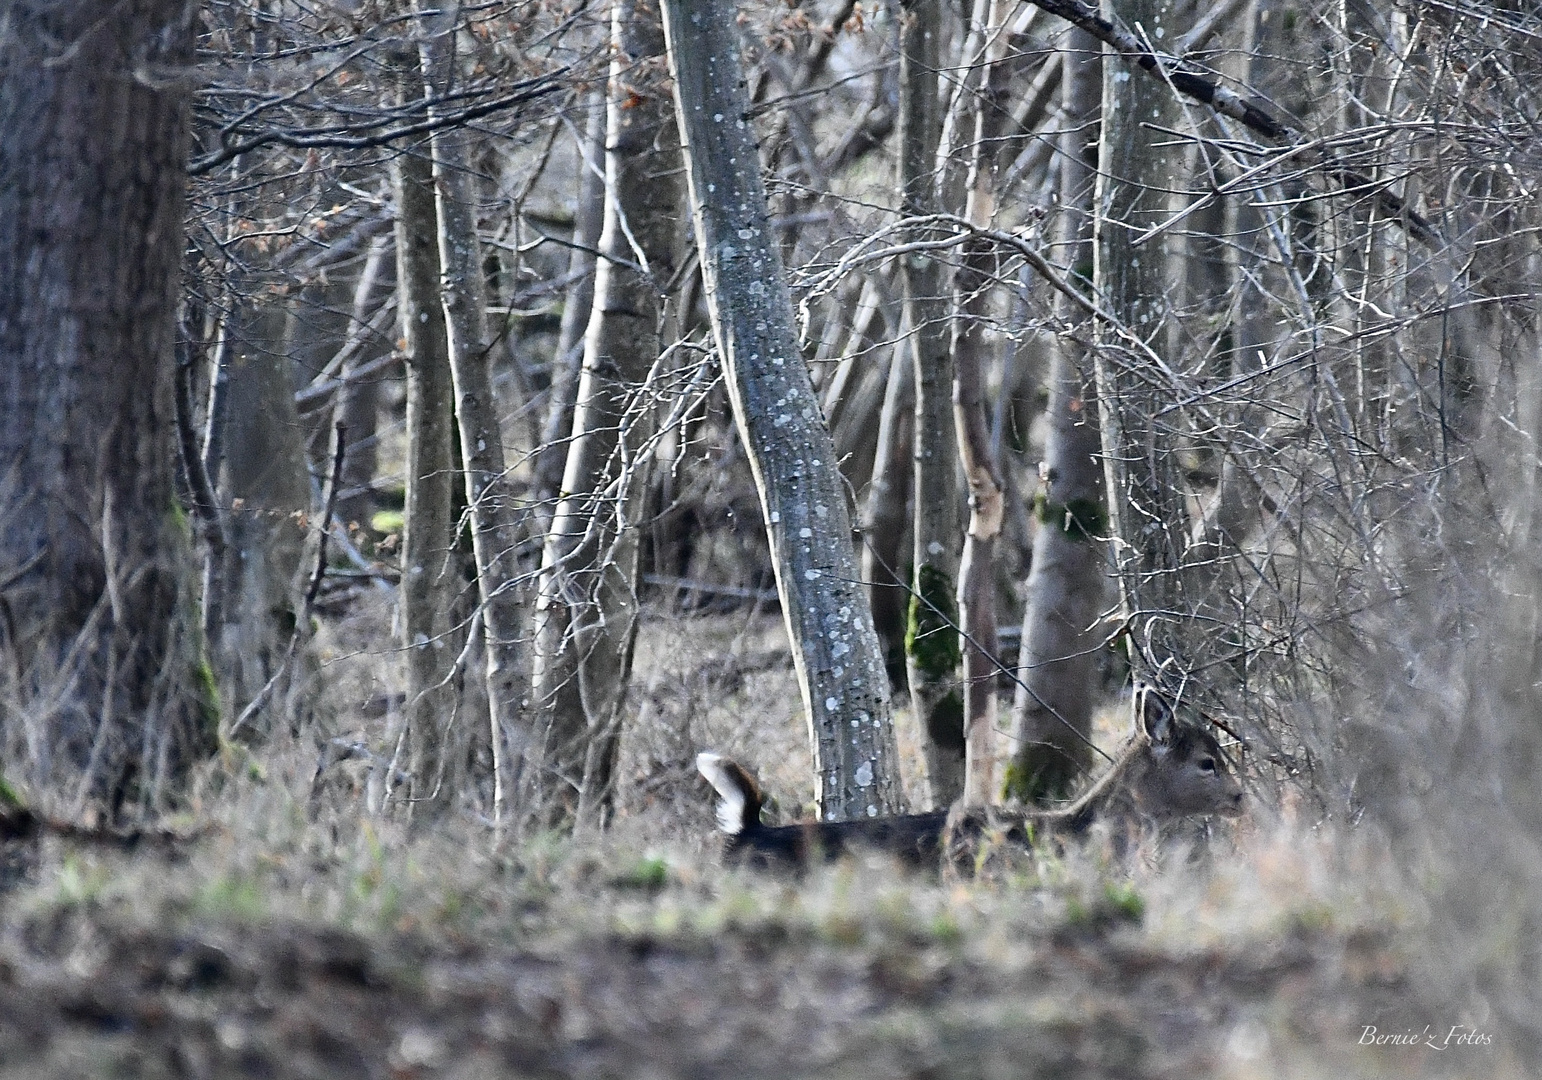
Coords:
394,498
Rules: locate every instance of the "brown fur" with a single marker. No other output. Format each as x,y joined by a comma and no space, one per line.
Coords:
1168,770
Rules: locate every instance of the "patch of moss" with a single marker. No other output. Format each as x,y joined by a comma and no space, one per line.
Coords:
931,630
1039,774
388,521
650,873
1079,519
208,703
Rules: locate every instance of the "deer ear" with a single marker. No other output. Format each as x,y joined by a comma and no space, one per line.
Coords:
1154,716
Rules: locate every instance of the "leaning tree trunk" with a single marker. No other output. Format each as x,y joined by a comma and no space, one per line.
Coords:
104,702
1057,665
430,563
586,615
931,634
808,525
489,498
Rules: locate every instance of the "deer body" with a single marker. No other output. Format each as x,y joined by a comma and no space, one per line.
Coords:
1168,770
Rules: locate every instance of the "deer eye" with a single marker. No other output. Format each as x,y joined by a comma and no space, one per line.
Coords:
1207,764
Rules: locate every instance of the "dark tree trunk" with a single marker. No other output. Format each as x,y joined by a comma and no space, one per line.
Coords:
100,651
437,737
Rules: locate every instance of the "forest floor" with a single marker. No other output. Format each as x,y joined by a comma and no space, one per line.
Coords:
300,936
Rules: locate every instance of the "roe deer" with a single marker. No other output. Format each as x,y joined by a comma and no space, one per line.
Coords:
1169,769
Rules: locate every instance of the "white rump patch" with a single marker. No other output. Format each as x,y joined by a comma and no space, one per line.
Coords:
731,793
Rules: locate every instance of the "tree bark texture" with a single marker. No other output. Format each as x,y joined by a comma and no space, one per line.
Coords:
105,702
808,525
490,500
931,633
436,744
586,614
267,486
358,400
1138,168
588,220
977,578
883,516
1057,666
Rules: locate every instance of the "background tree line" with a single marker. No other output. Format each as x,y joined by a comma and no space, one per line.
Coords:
1199,340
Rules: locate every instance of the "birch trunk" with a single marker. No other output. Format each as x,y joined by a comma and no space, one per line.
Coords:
808,525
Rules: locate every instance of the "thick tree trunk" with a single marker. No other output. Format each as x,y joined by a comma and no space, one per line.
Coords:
436,744
931,635
104,701
490,501
586,615
808,525
1138,168
1057,666
266,484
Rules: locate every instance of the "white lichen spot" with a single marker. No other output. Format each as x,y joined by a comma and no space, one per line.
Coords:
746,234
782,421
839,649
872,811
805,533
864,775
811,575
830,704
717,118
837,671
776,516
934,548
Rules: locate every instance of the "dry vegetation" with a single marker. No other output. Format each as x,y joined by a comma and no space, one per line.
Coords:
303,936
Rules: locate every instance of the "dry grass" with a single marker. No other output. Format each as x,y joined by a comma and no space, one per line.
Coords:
304,936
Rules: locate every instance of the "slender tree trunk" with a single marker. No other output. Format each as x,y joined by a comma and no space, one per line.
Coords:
430,562
883,517
1057,665
588,220
977,577
490,502
586,615
358,402
808,525
931,635
102,696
